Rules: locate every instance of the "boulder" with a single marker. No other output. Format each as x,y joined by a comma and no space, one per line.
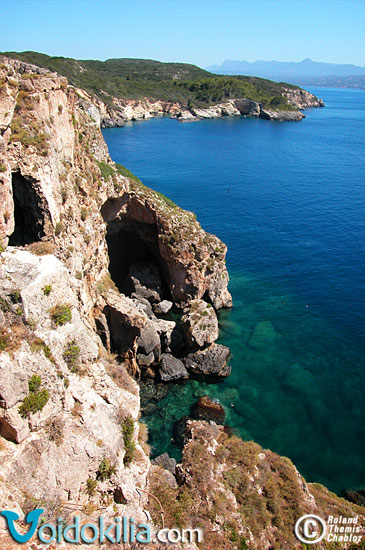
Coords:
200,323
165,462
144,280
162,307
145,360
149,340
209,409
212,361
172,368
125,320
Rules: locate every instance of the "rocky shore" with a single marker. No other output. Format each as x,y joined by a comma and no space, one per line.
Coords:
106,285
124,111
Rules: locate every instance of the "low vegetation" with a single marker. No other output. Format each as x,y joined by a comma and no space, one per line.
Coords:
175,82
129,445
41,248
61,314
71,356
36,398
105,470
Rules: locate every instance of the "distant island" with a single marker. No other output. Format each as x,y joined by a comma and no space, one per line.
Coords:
303,73
133,89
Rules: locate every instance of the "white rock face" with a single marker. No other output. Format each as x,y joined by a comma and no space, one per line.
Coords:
51,454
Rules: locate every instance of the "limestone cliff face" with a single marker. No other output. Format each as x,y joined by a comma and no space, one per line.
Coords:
70,439
64,400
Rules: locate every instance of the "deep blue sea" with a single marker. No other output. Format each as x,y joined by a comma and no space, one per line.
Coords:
289,201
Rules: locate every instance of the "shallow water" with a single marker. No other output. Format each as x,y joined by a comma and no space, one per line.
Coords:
288,199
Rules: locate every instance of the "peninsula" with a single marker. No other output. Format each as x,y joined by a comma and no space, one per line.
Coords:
136,89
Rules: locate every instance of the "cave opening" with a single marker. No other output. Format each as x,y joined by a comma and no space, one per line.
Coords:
126,248
134,242
29,213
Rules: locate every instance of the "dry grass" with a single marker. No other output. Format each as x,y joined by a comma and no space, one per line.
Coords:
121,378
41,248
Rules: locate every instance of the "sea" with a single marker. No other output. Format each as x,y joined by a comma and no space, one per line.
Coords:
288,199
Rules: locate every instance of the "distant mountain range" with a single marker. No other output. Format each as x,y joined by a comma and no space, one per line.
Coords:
306,72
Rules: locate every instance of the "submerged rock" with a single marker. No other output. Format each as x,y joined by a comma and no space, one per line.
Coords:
212,360
209,409
263,335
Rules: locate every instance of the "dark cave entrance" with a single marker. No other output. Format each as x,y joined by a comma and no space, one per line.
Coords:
29,213
132,241
126,248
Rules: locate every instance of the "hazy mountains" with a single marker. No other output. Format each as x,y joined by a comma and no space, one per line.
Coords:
303,72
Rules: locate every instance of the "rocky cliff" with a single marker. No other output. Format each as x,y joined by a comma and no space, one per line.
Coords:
123,111
91,264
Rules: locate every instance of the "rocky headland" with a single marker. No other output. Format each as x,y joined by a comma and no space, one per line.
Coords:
104,284
123,111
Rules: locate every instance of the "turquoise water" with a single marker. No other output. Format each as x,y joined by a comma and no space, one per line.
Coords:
289,201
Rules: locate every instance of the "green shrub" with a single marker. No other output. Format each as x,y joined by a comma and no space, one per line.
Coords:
105,470
38,344
58,228
36,398
47,289
91,485
4,341
71,356
2,167
129,445
106,170
127,173
35,383
15,296
61,314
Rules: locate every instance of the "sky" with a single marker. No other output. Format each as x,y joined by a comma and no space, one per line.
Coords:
203,32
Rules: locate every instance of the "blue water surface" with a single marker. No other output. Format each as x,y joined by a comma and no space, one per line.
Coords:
288,199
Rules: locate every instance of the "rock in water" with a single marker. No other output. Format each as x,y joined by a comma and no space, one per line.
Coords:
212,360
200,323
209,409
172,368
263,335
